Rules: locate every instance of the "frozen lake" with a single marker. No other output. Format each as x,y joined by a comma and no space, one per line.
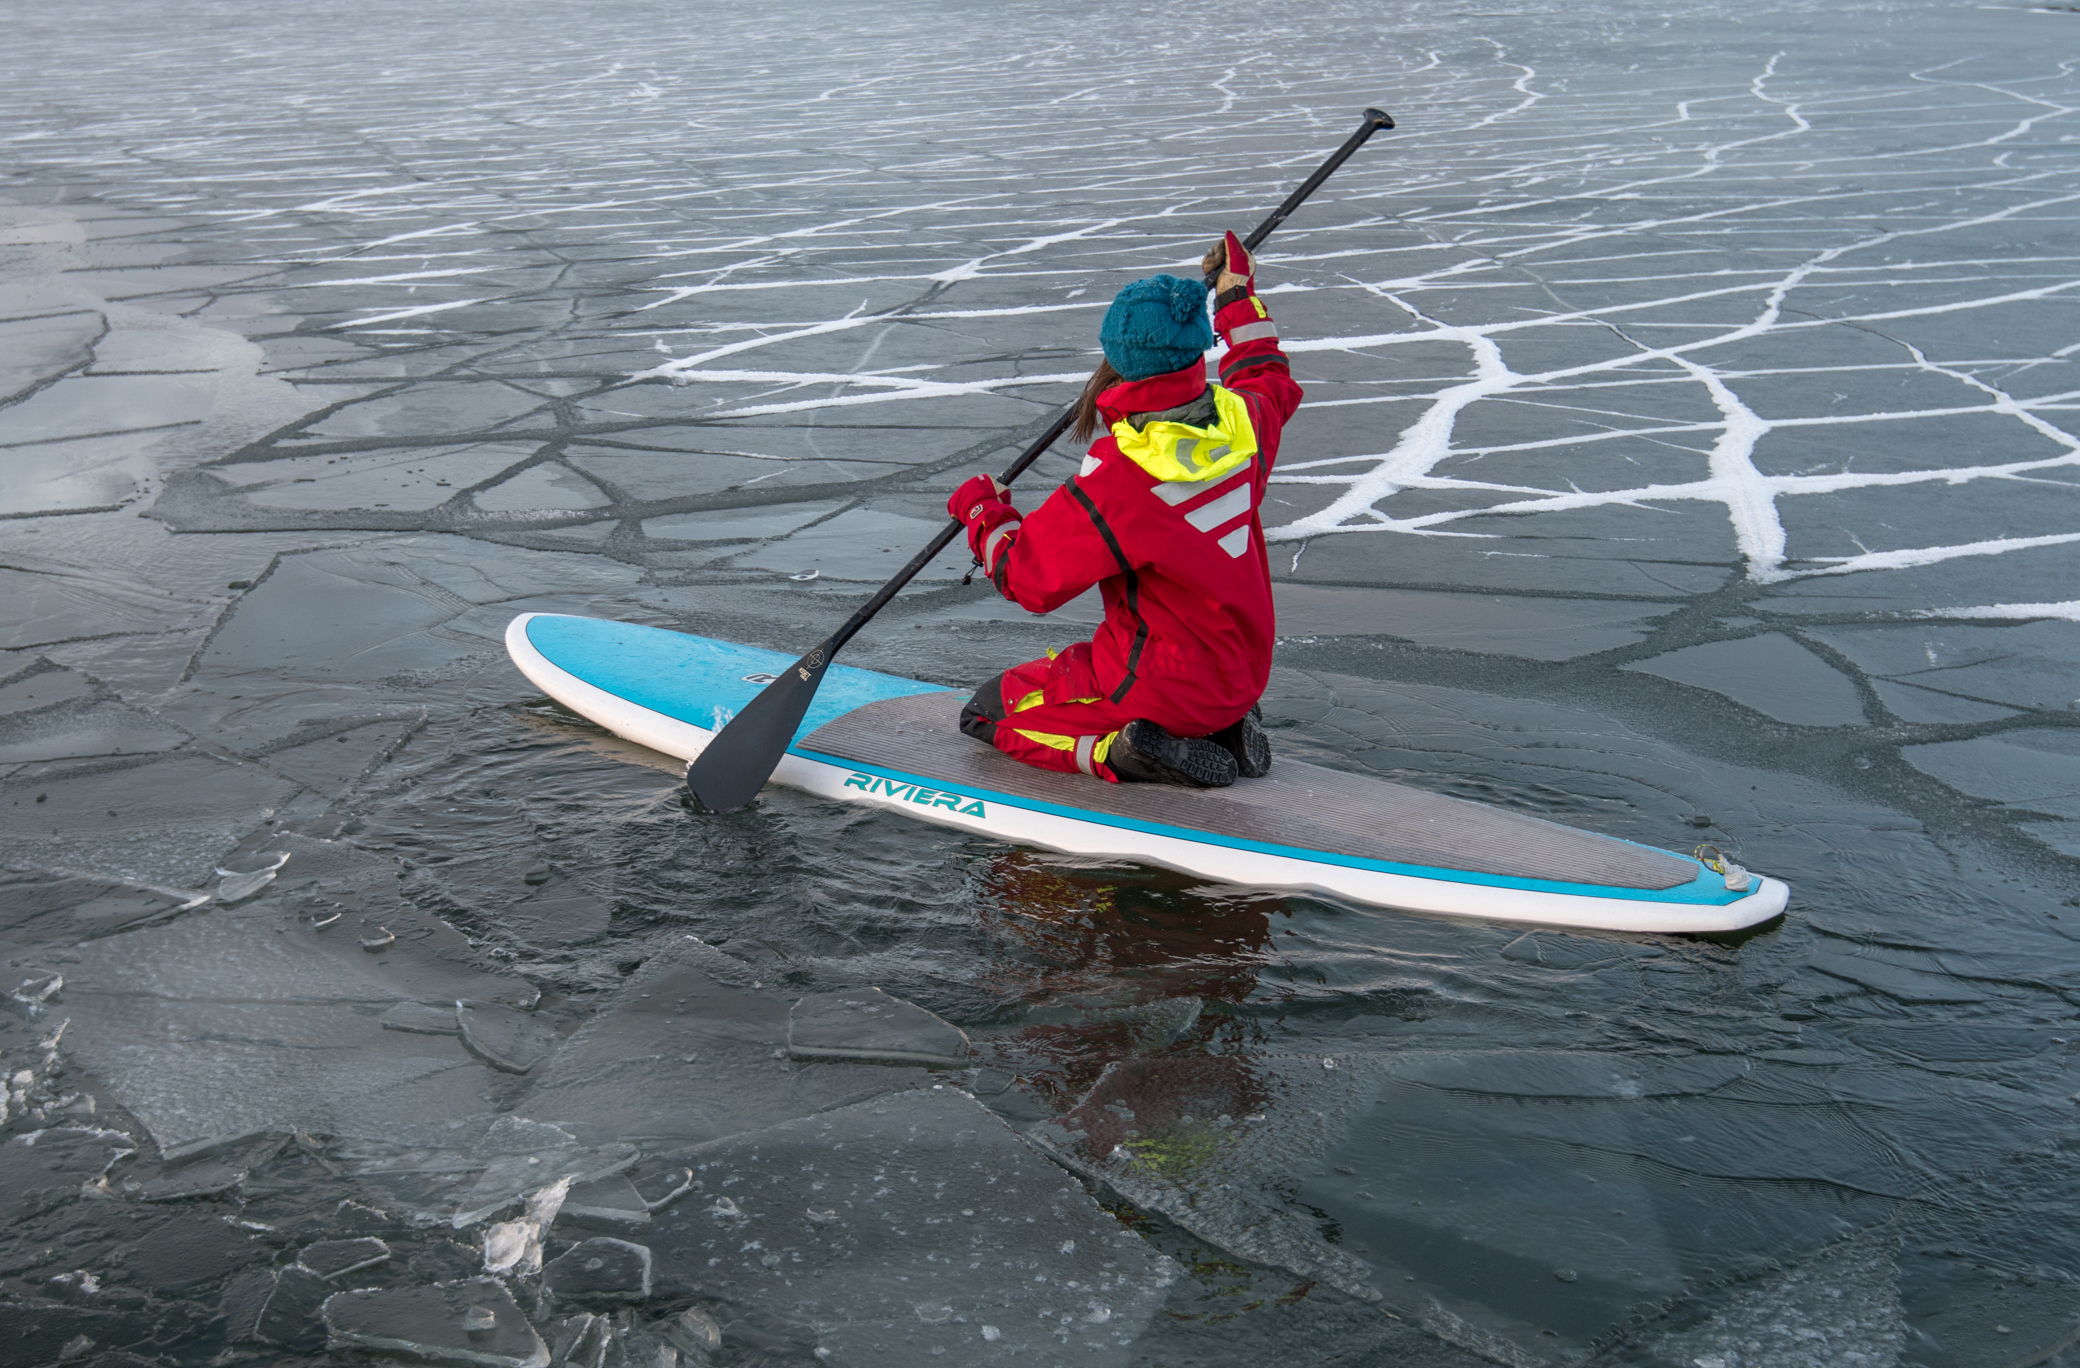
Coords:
1689,455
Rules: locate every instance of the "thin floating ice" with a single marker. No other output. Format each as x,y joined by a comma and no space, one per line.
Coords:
474,1321
868,1024
237,887
516,1246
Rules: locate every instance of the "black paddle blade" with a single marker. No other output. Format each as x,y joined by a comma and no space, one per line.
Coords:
743,755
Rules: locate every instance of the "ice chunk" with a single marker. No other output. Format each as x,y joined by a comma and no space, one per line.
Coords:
209,1178
510,1177
160,825
245,1298
335,1259
32,1091
1770,673
516,1246
214,1165
508,1040
1473,1177
660,1190
250,1142
867,1023
693,1332
237,887
518,1135
275,1308
584,1341
419,1018
937,1204
1153,1025
37,988
607,1204
48,1168
1564,1073
1840,1307
557,912
600,1269
1135,1028
42,908
185,1249
223,1021
1205,1140
434,1323
691,1049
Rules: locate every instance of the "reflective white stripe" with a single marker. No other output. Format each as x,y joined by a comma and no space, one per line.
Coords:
1090,464
1175,492
989,548
1084,746
1236,542
1232,504
1188,452
1250,332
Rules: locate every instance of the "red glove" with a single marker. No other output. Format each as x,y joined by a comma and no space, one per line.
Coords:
1239,261
1230,255
985,506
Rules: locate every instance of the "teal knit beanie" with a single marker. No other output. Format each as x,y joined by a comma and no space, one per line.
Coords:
1156,325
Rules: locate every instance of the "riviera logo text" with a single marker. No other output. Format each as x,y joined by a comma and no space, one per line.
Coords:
919,794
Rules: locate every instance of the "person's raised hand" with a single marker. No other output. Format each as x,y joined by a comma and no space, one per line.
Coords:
1234,263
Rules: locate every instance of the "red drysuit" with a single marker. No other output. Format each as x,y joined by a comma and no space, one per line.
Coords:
1163,518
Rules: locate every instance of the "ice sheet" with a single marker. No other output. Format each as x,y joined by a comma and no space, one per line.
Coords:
1645,341
907,1226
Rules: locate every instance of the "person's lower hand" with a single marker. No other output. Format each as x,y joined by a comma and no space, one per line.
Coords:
973,498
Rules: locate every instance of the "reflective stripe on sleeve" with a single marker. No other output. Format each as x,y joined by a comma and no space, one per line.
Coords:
1084,746
989,548
1250,332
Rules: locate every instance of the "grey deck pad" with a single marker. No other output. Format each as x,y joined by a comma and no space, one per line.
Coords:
1298,804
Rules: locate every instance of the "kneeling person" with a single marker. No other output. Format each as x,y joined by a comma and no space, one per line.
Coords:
1163,518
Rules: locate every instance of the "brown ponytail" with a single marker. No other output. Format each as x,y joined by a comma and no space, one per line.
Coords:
1087,419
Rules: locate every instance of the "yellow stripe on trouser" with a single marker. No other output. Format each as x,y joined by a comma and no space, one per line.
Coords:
1090,750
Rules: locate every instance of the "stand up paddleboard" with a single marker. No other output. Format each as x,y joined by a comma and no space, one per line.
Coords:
886,742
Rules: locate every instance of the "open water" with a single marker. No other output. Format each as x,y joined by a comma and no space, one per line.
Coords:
1688,455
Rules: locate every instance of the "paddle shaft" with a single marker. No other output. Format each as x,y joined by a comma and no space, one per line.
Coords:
1375,119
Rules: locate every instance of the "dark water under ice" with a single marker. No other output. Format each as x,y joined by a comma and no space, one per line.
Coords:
1688,456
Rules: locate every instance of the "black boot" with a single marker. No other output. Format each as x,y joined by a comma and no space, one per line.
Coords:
1247,742
1143,753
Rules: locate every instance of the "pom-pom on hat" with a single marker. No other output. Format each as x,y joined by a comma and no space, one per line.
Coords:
1156,325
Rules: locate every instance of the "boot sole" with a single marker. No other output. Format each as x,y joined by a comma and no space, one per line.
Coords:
1193,762
1248,744
1255,760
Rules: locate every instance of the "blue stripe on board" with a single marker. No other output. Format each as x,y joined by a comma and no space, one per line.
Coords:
696,679
1707,889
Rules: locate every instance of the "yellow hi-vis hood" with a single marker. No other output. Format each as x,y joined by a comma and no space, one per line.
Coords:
1175,453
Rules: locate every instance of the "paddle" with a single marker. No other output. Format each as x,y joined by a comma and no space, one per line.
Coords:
737,763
